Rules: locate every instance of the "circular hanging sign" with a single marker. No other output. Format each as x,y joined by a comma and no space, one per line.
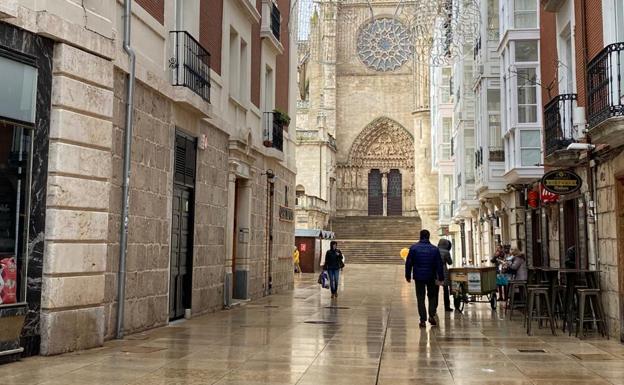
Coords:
561,182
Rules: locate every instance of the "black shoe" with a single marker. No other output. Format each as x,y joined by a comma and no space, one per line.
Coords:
433,321
422,324
449,309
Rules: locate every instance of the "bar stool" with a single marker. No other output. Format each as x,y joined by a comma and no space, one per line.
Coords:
592,297
511,296
558,302
536,293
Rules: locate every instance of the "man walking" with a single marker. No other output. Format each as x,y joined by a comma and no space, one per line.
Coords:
424,264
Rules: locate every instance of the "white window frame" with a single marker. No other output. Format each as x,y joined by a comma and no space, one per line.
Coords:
515,11
519,148
515,85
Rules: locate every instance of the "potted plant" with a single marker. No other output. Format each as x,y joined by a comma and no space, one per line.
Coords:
281,118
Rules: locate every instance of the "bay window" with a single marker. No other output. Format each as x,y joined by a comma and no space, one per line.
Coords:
530,148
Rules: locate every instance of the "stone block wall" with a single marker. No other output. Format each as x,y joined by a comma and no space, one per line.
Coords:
607,251
78,193
147,277
211,200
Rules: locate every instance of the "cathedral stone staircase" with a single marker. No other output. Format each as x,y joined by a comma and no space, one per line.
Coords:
375,239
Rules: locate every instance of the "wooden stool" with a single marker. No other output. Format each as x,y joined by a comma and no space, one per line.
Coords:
596,310
511,296
536,293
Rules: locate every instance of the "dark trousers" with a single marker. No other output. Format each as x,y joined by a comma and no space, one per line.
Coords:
447,297
431,290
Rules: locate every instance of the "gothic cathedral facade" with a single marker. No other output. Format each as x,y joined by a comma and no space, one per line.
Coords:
363,121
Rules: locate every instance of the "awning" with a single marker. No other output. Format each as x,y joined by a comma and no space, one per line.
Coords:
315,233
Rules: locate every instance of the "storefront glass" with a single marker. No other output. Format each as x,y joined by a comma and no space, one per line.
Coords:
15,167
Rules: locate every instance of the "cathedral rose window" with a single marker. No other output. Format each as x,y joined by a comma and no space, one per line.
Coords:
384,44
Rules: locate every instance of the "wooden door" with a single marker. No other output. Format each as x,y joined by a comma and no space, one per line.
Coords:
570,232
395,193
375,195
181,257
181,253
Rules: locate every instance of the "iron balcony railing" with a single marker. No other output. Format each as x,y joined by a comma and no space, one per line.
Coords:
605,84
275,21
190,64
497,154
559,130
273,131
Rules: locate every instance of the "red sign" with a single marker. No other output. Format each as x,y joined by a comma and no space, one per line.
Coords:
547,196
303,247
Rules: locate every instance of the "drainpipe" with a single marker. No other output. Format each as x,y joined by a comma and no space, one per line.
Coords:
123,232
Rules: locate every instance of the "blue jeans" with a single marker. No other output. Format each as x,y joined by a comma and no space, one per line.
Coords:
334,277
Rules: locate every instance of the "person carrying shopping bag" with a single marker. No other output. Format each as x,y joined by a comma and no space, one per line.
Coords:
334,262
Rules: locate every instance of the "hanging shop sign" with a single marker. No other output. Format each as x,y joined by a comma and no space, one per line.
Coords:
561,182
286,214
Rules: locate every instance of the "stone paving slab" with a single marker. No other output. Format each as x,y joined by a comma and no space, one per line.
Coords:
369,335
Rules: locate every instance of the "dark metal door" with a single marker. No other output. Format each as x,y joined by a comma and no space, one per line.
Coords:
395,193
375,196
181,265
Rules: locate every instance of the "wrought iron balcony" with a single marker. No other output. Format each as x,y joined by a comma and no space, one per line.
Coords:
559,130
605,85
276,21
273,131
190,64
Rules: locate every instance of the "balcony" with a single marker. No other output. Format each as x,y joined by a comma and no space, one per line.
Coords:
309,202
273,131
559,130
190,64
605,96
272,24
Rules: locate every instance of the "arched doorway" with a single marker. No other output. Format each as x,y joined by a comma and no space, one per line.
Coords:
377,178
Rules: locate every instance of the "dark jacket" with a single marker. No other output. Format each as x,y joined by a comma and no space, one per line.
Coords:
424,262
445,253
333,259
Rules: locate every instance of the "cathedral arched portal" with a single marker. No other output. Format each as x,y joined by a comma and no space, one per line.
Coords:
378,177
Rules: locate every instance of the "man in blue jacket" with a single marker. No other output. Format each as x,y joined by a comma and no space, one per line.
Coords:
424,264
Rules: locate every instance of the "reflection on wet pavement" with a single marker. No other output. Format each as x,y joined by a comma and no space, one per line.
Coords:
370,335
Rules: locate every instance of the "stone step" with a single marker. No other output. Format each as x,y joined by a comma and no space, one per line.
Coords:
375,227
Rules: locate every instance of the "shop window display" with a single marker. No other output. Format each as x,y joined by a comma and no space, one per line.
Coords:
15,160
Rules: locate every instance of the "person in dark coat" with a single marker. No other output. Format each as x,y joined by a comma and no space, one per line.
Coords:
424,264
444,245
333,264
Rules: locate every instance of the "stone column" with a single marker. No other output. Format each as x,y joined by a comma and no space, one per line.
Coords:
76,229
384,192
229,238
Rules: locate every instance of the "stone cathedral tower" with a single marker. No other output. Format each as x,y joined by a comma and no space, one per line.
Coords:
363,125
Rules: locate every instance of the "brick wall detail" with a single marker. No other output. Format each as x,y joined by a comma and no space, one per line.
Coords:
210,30
156,8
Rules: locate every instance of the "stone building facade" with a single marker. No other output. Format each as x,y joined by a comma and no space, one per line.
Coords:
212,175
584,48
363,131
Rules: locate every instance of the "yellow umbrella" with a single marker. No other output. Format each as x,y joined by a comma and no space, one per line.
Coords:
404,253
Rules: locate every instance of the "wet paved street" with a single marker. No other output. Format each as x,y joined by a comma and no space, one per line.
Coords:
370,335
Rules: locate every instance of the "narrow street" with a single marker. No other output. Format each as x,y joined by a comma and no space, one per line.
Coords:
370,335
